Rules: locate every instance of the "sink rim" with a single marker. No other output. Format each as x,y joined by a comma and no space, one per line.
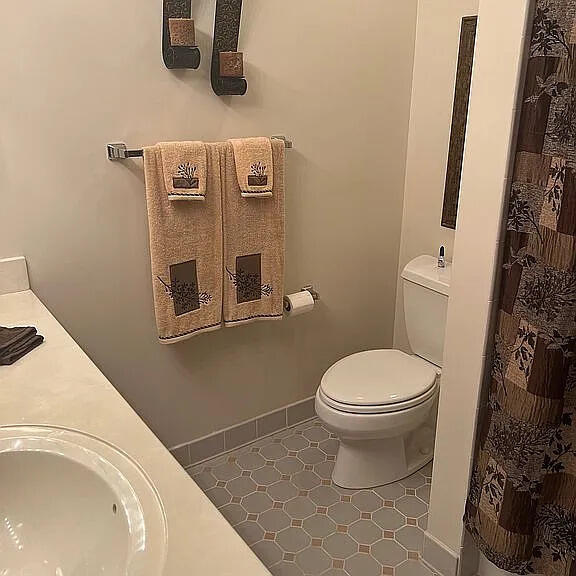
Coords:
136,493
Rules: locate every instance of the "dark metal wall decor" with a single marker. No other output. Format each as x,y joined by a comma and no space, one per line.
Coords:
227,63
179,48
459,121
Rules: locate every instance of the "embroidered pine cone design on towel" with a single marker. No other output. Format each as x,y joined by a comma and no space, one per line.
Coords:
248,285
185,294
257,176
186,177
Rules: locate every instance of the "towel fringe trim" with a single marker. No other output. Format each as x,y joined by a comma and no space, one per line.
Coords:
189,333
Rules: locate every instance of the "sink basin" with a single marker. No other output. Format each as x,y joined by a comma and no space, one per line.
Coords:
74,505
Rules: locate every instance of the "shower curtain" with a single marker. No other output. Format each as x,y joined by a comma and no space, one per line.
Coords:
521,507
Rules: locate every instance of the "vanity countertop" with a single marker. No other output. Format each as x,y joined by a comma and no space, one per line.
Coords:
57,384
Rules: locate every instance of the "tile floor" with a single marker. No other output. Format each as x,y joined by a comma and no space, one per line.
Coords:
278,495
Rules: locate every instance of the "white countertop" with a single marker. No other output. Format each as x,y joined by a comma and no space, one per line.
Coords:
57,384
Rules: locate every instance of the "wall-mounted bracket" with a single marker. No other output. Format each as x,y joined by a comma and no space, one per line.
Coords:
315,295
175,52
226,32
119,151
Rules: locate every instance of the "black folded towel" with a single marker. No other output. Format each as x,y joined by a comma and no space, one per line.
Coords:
17,342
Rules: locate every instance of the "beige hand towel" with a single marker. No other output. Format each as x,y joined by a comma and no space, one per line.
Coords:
186,251
253,246
184,165
254,166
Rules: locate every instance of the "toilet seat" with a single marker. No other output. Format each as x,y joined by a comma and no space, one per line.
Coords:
377,409
378,382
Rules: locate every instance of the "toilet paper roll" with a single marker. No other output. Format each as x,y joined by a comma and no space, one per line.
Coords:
298,303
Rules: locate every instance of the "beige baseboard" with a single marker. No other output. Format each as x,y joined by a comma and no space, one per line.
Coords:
439,557
201,449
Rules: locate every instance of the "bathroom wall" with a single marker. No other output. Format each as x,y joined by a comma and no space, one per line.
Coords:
334,78
435,61
485,183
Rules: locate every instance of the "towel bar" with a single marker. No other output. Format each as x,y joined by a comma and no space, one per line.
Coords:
119,150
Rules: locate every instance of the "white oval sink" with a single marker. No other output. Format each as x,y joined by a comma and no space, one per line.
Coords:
73,505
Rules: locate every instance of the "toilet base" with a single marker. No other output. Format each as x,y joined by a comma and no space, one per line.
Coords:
380,448
371,463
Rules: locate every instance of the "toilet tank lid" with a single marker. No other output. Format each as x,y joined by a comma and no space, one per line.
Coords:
424,270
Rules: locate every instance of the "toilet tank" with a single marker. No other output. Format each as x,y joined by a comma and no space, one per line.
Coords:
426,290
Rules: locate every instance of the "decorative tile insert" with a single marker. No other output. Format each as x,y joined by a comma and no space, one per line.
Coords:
278,495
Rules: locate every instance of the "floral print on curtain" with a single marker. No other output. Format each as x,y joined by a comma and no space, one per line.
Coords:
521,507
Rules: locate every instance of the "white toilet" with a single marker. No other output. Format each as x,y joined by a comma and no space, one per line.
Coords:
382,404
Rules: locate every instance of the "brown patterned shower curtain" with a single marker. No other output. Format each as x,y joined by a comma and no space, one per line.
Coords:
521,506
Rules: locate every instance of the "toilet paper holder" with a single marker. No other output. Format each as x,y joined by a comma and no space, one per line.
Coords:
313,292
299,302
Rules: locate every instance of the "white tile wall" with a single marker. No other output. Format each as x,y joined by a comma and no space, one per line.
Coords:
490,142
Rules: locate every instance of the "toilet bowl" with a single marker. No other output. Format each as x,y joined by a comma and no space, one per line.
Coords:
382,404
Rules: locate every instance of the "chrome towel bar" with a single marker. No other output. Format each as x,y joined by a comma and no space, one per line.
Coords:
119,150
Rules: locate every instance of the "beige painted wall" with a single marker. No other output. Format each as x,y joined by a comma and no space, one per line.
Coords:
334,77
437,40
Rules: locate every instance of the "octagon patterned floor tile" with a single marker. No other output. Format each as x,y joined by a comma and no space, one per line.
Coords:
340,546
266,476
316,434
365,532
293,539
273,452
313,561
286,569
424,493
250,532
414,481
274,520
367,501
324,496
306,480
269,552
282,491
324,470
205,480
411,506
423,522
312,455
257,502
363,565
234,513
278,495
413,568
295,443
300,508
251,461
319,526
227,471
219,496
389,552
241,486
411,537
344,513
389,519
